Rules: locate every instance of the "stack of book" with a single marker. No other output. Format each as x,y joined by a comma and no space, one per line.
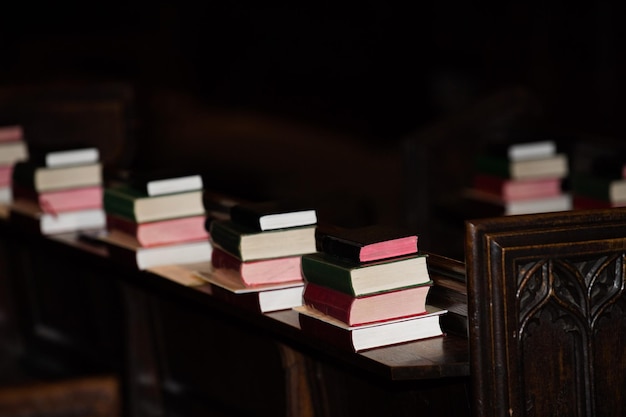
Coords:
257,253
366,288
603,185
155,221
61,190
521,178
13,148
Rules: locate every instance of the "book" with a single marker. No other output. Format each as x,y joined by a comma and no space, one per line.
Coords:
519,151
6,196
249,244
29,215
163,232
367,309
261,272
489,205
449,292
508,189
272,215
6,173
39,178
154,186
369,336
65,157
55,202
359,279
226,285
126,249
600,188
12,152
127,202
581,202
551,167
613,167
364,244
11,133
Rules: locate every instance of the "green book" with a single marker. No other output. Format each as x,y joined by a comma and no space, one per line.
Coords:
358,279
601,188
130,203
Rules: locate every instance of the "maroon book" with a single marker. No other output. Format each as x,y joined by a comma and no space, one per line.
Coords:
265,271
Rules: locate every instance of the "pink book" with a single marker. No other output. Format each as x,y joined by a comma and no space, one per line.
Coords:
261,272
11,133
509,190
165,232
53,202
6,172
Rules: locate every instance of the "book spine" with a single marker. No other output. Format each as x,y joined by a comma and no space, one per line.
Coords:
493,165
328,275
245,217
225,238
119,204
221,259
24,175
594,187
332,335
339,248
330,302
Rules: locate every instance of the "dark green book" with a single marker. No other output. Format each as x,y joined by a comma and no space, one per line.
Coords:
249,244
601,188
363,278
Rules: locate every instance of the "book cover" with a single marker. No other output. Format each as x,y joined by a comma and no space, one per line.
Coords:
248,244
364,244
271,215
378,307
358,279
261,272
227,285
127,202
34,176
163,232
508,190
364,337
60,201
126,249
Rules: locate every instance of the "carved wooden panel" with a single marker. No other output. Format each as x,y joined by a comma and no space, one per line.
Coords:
548,314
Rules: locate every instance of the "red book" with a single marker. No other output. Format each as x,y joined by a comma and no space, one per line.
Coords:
71,199
356,311
508,189
261,272
363,244
164,232
6,172
581,202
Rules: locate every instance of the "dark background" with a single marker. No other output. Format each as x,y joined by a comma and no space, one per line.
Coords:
377,69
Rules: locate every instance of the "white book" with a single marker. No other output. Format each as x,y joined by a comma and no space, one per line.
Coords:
72,157
149,257
532,150
63,222
174,185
